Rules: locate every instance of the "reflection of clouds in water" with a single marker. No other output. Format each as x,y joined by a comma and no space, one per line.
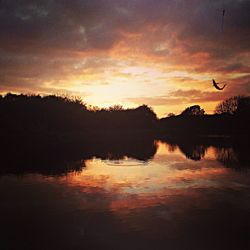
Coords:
168,174
163,176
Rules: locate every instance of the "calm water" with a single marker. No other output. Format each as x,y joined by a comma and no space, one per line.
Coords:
197,198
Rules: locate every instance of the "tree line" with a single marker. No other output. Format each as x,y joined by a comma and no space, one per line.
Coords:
34,114
231,116
27,114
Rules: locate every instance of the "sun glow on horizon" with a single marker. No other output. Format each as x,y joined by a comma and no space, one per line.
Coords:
130,56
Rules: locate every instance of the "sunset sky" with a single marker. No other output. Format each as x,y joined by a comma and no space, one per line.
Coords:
162,53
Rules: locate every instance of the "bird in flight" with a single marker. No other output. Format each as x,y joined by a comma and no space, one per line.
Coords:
216,85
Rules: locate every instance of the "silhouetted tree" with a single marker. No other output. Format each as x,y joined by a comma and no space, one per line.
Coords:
194,110
115,108
236,105
229,106
35,114
244,106
144,116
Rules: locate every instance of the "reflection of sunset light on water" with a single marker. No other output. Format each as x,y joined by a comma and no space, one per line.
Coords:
168,174
107,199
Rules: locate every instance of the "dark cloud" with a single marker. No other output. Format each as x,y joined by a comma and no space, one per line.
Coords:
83,24
235,67
37,25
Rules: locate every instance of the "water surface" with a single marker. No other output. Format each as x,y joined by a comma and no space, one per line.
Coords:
180,198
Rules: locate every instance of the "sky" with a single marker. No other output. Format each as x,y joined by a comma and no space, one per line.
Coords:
162,53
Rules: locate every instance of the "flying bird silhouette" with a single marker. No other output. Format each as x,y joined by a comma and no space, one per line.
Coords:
217,86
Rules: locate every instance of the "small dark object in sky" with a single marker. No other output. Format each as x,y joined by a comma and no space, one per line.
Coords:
217,86
222,20
222,16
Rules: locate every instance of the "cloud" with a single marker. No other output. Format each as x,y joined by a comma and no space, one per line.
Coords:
52,44
81,25
180,97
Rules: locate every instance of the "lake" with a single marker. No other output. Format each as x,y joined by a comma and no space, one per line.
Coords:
181,197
